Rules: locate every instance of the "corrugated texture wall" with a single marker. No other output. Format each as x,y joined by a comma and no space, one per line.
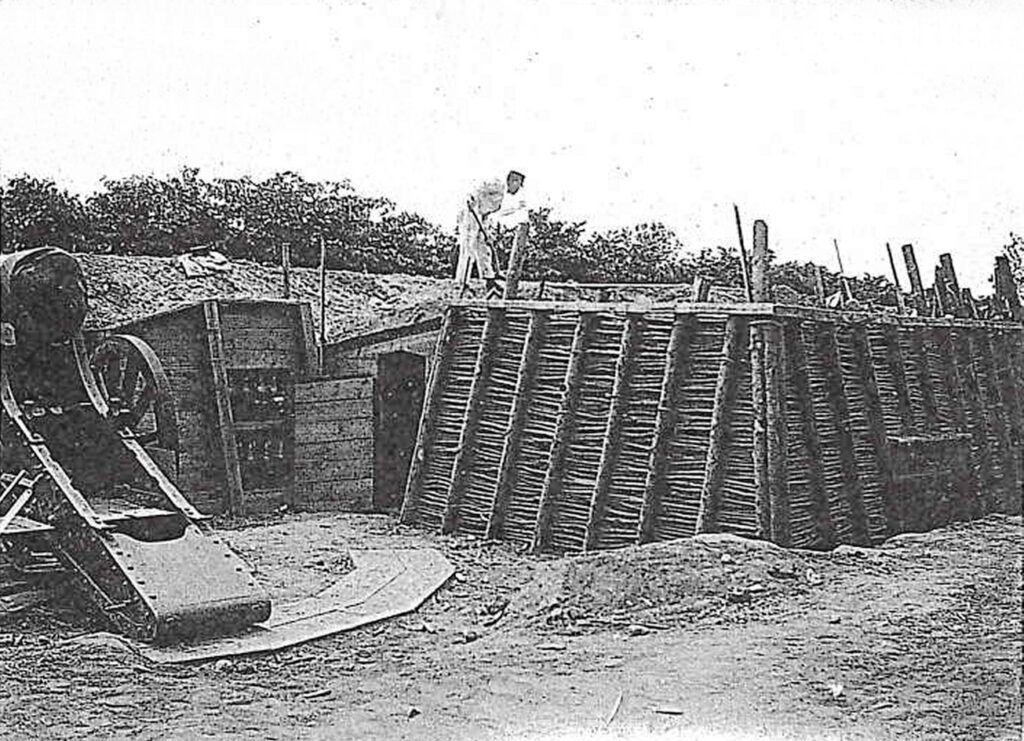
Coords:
571,428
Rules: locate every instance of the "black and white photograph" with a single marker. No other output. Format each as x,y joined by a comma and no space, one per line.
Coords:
449,370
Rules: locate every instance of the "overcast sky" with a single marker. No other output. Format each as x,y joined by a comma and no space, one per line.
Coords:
862,121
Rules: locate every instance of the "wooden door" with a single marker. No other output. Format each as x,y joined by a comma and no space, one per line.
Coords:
401,380
334,444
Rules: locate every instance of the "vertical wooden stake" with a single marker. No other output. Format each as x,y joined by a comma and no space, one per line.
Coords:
996,407
970,389
759,452
898,369
701,288
819,285
970,306
761,286
828,351
1007,290
437,370
901,306
677,369
942,303
525,380
916,287
631,329
308,342
1010,385
470,417
515,261
774,363
323,304
563,432
952,283
222,398
796,355
967,485
733,347
760,277
286,268
920,360
876,426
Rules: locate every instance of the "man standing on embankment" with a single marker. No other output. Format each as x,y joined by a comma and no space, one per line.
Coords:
491,202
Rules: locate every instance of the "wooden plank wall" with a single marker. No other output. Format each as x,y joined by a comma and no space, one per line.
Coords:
254,334
334,444
571,429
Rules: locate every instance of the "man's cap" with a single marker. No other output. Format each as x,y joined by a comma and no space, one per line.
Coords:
516,172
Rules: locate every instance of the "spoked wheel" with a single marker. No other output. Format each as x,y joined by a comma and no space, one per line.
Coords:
134,385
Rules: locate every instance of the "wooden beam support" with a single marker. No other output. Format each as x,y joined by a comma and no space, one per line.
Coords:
632,328
876,425
916,287
525,380
286,269
471,416
924,377
969,304
701,288
307,341
819,285
976,419
777,442
323,305
996,408
952,283
828,351
967,488
897,367
762,509
1007,290
1010,385
760,267
437,370
677,370
734,347
563,432
1015,358
796,355
222,402
942,338
943,305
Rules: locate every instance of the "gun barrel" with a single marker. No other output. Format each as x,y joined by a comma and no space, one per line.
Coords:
42,295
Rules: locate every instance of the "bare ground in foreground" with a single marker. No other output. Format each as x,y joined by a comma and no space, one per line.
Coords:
715,637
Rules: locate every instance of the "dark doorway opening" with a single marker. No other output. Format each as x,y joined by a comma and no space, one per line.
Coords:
401,380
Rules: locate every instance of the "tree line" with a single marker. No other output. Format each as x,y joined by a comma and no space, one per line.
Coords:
246,218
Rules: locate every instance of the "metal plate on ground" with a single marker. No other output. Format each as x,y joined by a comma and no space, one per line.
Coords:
384,584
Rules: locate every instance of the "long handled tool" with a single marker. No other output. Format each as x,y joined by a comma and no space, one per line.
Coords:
744,262
847,293
487,241
900,305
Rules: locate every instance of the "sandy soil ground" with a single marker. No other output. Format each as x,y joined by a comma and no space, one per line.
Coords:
710,638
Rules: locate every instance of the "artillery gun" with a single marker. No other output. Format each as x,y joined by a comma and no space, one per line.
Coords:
77,484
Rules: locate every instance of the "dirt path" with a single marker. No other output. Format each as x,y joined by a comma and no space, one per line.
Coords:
919,639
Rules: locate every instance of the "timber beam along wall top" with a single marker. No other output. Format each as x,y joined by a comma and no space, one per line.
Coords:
575,427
